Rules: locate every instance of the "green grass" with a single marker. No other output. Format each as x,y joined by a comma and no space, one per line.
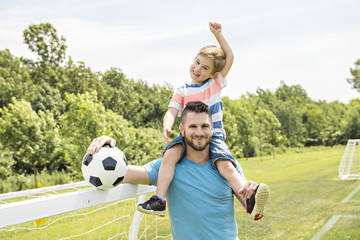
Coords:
356,197
86,224
305,194
345,228
111,220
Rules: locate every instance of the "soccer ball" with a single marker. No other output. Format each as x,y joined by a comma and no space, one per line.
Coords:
106,168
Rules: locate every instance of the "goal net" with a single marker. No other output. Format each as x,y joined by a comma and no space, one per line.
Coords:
78,211
350,164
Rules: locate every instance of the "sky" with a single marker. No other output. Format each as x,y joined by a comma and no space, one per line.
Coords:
311,43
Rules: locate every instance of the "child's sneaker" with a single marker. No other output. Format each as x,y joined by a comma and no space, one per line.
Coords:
256,204
153,206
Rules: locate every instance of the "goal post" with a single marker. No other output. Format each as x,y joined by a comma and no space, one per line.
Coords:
75,210
350,164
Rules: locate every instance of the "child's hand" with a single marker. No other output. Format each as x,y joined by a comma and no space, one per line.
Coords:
248,189
215,27
166,133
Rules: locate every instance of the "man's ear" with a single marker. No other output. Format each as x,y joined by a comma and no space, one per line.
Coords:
182,129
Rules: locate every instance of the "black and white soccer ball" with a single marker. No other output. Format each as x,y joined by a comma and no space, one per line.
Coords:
105,169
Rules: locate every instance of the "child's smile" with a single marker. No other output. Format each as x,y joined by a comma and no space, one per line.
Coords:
201,69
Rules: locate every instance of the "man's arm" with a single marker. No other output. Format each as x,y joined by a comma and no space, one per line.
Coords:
216,29
134,174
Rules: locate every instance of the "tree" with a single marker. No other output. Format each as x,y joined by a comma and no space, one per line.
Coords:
335,113
267,99
314,122
136,101
295,94
291,124
355,72
267,128
245,128
6,162
87,119
352,122
78,79
47,98
83,121
31,137
232,135
15,79
42,39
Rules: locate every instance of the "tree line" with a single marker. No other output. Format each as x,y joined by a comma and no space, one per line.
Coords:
51,108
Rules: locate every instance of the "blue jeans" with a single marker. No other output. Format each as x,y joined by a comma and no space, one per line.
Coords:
218,149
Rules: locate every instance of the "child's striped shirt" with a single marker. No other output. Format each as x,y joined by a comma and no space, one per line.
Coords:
208,92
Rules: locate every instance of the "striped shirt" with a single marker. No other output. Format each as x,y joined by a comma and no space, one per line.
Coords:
208,92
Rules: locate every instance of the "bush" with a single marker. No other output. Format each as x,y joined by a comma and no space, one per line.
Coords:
6,161
21,182
267,149
15,183
250,150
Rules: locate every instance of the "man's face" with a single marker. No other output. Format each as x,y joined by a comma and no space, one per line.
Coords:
197,130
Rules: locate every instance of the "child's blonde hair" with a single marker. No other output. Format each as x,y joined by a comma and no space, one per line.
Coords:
215,54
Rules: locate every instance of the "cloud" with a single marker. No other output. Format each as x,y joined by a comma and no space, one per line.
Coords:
308,43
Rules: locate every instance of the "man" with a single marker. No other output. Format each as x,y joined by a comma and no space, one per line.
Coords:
200,200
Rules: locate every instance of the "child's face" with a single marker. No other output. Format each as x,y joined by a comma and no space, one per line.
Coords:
201,69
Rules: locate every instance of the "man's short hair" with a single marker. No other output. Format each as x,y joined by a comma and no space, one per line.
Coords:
216,55
197,107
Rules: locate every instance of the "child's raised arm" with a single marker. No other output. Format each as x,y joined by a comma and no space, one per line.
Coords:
216,28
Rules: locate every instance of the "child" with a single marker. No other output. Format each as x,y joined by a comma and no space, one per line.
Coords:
207,73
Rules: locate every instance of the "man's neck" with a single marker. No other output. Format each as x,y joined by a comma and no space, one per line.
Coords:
200,157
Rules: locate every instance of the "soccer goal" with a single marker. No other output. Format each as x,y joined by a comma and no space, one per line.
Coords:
78,211
350,164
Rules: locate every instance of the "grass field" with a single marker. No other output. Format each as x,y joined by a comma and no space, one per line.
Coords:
305,194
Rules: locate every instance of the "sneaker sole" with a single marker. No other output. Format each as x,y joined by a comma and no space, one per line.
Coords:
159,213
261,197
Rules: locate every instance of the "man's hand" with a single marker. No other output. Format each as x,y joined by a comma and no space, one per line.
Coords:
167,131
98,143
248,189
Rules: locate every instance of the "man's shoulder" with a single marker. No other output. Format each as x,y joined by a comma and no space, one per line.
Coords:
152,169
153,166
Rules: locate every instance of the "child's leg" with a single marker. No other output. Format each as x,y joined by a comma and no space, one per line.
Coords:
228,171
256,204
157,204
167,169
